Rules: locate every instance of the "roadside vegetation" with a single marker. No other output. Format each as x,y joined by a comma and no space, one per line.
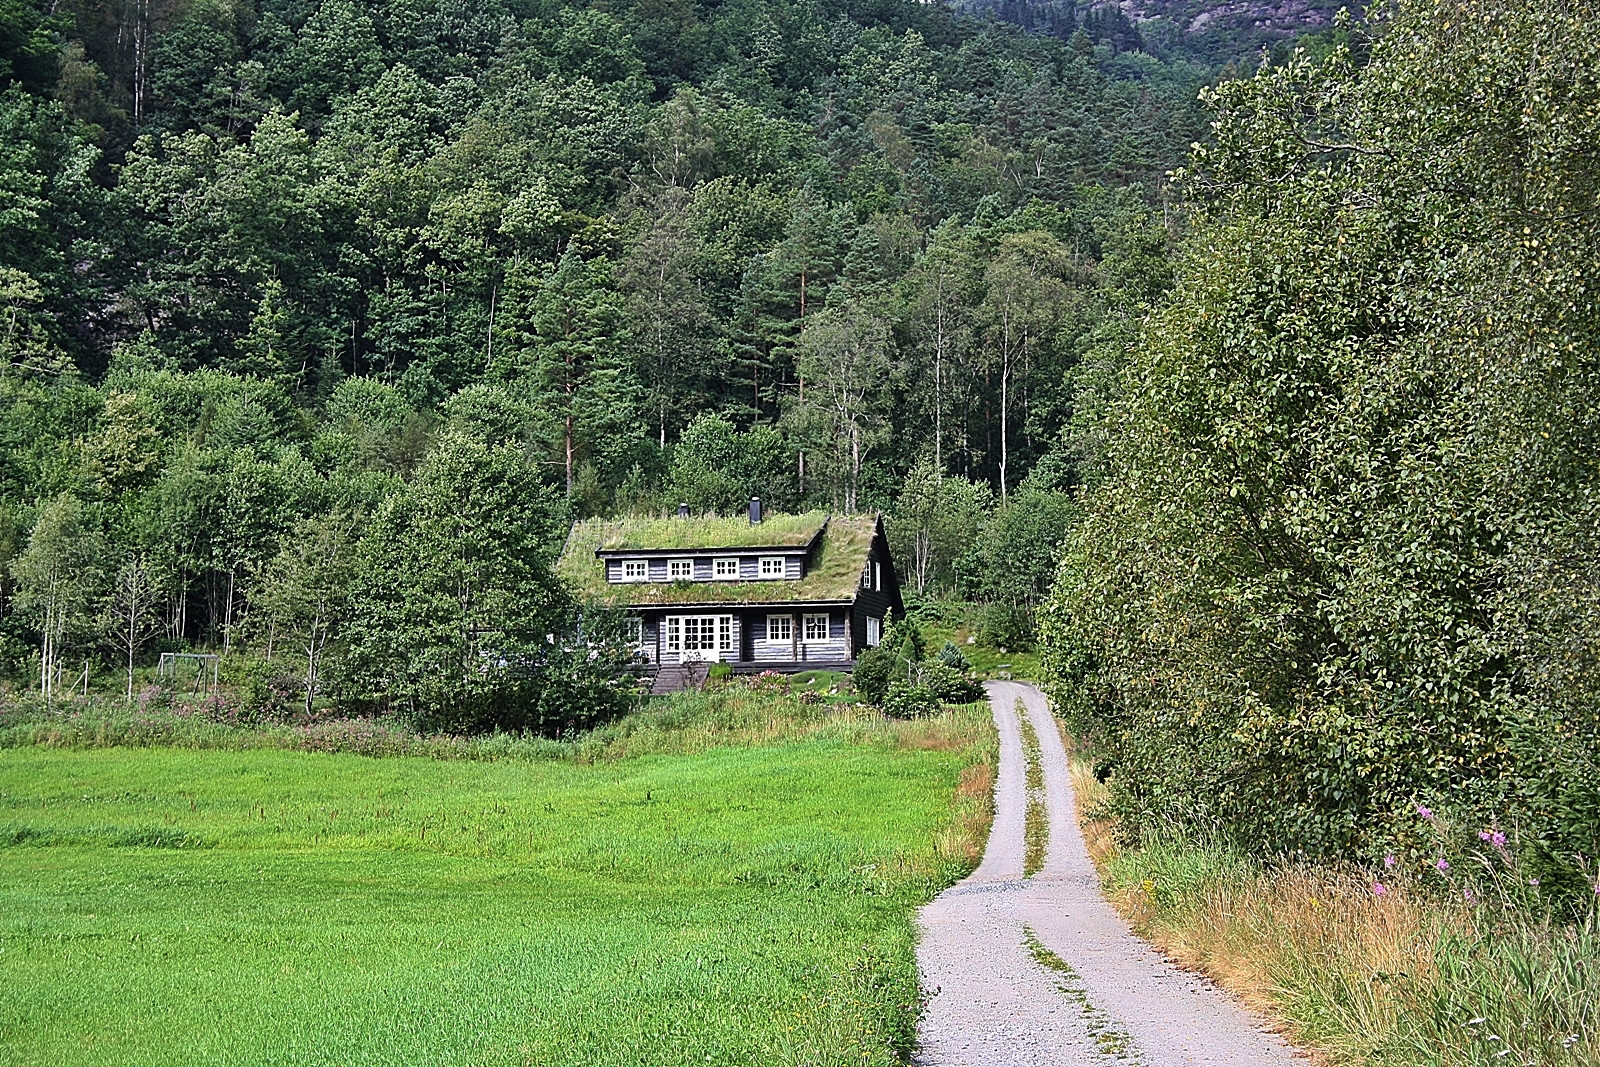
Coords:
1452,956
722,877
1327,626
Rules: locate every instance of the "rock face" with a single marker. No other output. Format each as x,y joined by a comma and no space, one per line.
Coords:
1208,31
1283,17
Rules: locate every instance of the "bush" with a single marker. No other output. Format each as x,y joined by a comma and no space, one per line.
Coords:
874,667
267,692
949,684
905,701
1007,628
904,638
951,656
719,672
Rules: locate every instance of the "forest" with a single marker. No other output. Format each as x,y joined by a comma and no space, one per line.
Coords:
318,315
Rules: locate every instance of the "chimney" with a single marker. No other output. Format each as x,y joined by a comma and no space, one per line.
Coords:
683,511
755,511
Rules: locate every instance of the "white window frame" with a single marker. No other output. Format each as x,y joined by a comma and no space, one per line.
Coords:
641,567
674,566
874,632
817,628
725,569
774,567
633,631
780,628
877,577
674,640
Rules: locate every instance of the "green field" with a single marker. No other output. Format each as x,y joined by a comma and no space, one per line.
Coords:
735,905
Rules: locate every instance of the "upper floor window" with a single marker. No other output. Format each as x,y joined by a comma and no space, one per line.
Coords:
772,567
680,569
816,627
635,570
725,568
877,576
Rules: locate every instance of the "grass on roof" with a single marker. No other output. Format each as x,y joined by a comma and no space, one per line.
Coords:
710,531
834,574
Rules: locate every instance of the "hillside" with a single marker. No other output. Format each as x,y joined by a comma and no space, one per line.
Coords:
1208,32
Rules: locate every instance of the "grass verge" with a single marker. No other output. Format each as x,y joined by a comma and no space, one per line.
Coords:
714,880
1358,971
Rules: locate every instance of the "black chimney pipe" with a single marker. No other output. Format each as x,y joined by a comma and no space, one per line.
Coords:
755,510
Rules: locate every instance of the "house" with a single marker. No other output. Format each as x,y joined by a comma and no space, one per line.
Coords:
776,592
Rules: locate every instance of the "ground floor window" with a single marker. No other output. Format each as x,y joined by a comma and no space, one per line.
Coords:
780,627
691,634
816,628
633,632
874,632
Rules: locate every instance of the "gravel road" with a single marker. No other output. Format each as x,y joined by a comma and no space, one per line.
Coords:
1032,971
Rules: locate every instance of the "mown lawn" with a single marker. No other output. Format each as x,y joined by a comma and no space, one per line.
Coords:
739,905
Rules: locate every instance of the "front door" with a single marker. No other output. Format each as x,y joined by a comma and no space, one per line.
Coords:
699,638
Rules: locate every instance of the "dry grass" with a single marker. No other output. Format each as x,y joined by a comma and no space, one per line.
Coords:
1406,976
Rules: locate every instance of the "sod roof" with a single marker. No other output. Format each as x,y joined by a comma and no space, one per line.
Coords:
832,573
644,532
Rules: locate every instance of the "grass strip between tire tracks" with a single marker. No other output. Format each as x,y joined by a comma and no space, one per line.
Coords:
1036,825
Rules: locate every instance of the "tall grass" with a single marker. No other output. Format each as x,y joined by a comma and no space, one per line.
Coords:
1393,971
743,713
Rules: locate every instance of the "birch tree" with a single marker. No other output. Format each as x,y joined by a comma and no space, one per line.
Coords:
304,591
845,360
133,614
1019,309
58,582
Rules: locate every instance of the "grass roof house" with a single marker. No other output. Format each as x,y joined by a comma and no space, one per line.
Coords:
777,592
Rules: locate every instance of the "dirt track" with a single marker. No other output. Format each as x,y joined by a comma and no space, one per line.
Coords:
1041,970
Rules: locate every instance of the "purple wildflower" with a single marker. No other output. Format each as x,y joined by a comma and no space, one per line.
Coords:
1389,860
1425,812
1533,881
1498,840
1469,896
1379,889
1443,864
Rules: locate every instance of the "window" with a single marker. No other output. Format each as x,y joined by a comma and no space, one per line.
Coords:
690,635
772,567
874,631
725,568
680,570
877,575
816,627
635,570
780,627
633,632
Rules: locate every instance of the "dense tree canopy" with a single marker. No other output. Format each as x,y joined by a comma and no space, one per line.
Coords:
265,267
1343,561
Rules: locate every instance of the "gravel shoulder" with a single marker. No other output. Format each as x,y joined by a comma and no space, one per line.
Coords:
1040,970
